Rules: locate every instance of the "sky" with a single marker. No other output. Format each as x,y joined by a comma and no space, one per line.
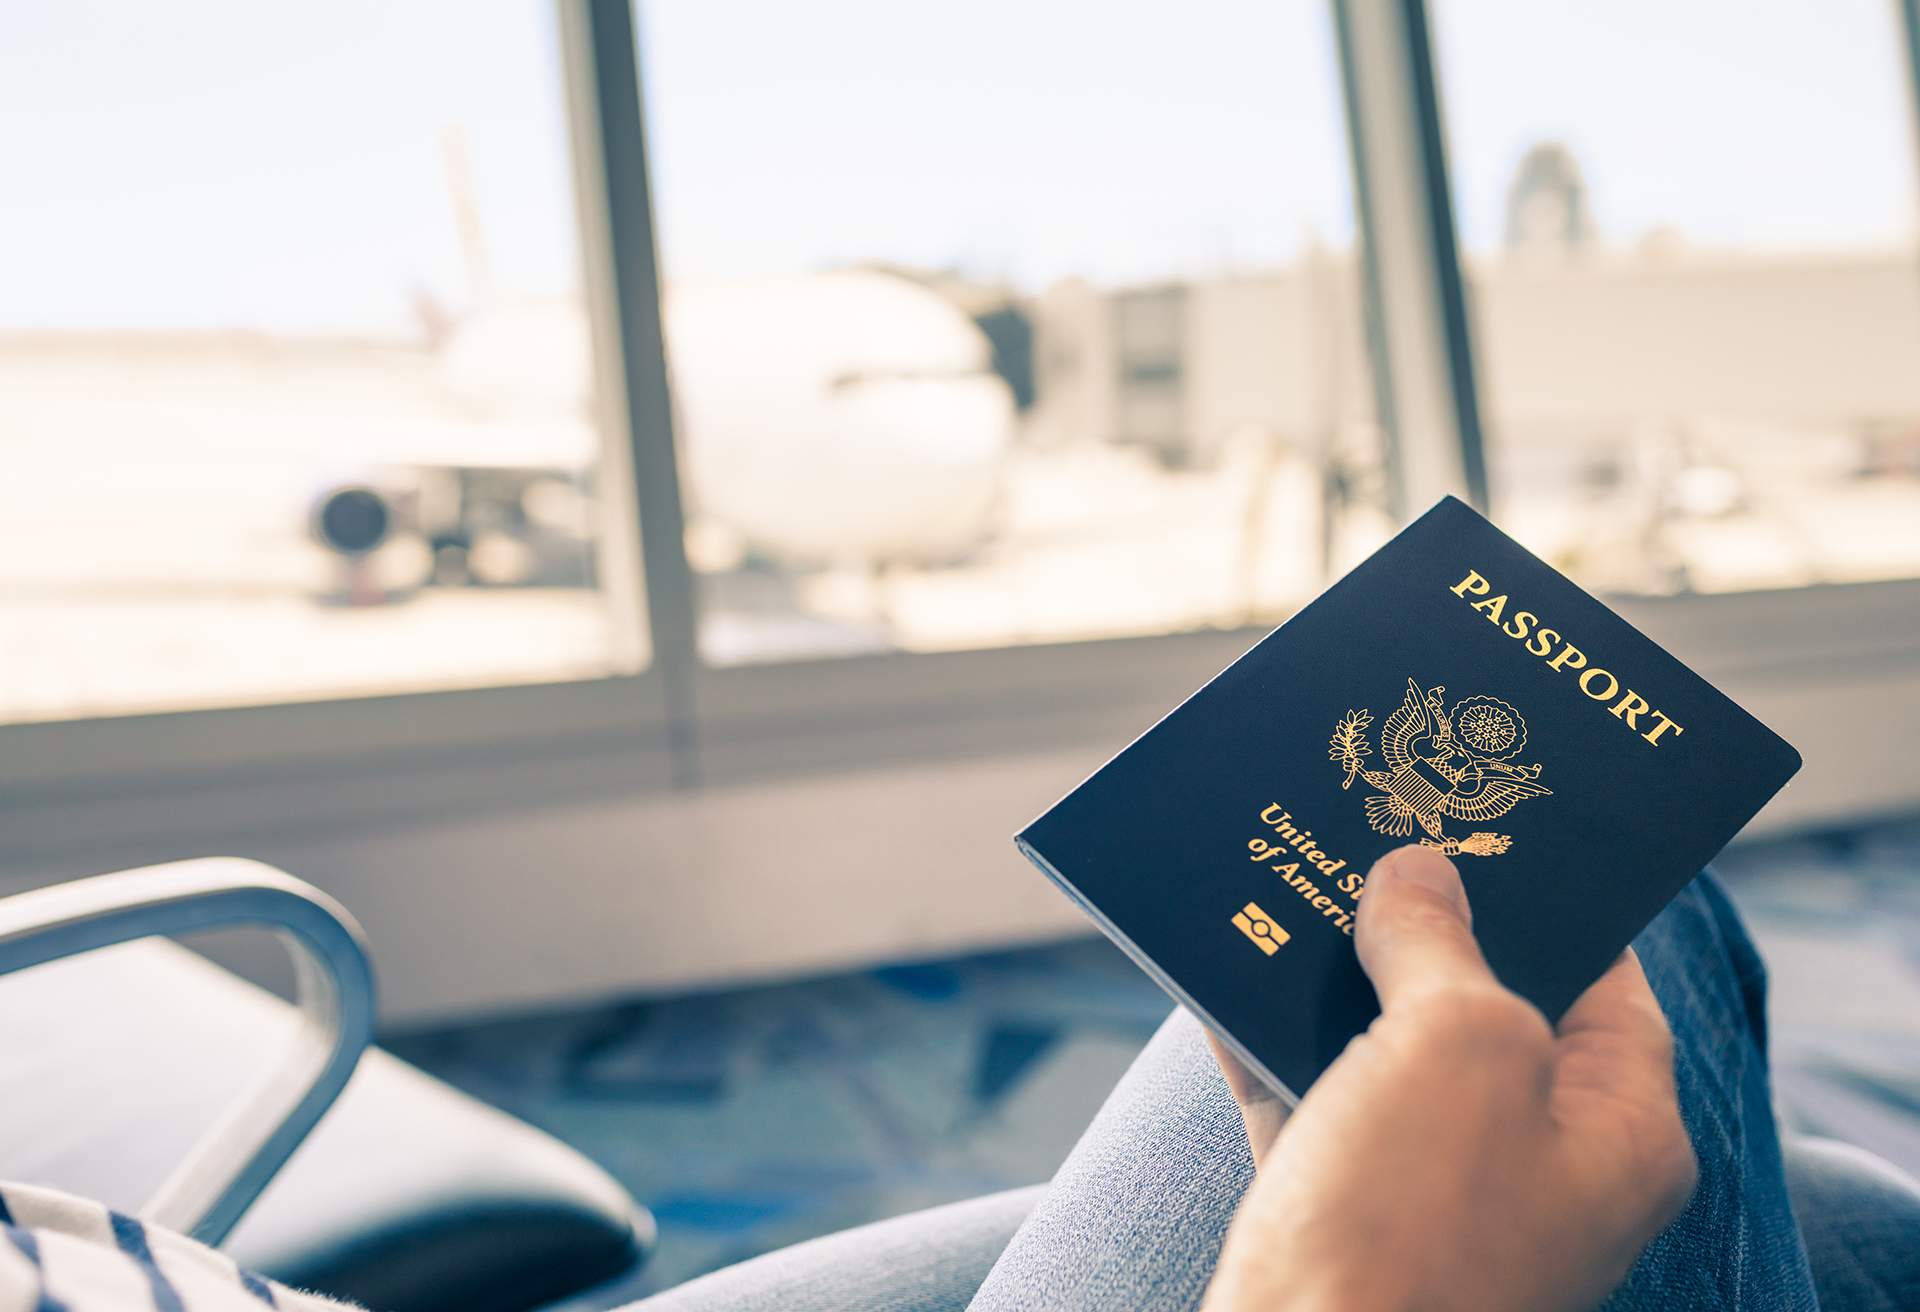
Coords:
227,164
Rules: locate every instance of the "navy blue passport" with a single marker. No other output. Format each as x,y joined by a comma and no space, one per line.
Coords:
1453,690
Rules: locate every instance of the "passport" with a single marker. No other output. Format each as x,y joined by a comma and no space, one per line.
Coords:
1453,690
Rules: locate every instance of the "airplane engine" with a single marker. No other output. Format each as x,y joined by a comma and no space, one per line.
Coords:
352,519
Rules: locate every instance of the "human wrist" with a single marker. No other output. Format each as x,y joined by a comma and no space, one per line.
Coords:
1362,1287
1278,1280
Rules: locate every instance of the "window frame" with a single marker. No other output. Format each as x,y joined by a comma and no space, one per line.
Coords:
682,724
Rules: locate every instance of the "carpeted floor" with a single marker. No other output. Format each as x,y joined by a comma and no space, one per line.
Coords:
751,1119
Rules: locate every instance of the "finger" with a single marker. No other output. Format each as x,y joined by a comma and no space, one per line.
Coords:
1613,1065
1261,1111
1619,1005
1414,931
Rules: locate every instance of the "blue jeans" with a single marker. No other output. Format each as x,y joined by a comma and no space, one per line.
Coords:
1136,1215
1736,1243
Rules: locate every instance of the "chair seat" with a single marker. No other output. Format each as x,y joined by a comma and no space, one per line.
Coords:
408,1196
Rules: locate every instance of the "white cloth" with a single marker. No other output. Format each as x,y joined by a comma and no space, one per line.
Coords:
59,1253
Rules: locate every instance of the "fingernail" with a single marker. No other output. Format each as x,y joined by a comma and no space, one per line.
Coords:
1422,867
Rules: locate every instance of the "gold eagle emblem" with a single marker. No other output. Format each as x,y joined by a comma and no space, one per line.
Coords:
1440,761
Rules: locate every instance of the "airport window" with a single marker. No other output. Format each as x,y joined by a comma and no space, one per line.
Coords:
295,394
1690,241
1046,329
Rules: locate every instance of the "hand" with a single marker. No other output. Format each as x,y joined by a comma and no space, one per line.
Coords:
1461,1153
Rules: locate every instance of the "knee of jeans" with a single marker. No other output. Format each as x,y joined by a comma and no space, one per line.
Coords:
1178,1058
1860,1218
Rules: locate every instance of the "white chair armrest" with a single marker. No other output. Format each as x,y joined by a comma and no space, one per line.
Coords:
221,1176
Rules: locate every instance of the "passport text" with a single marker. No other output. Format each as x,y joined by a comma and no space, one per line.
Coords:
1560,655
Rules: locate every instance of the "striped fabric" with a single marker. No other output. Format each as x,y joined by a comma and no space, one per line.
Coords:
59,1253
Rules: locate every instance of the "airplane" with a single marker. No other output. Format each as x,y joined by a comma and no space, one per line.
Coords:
847,417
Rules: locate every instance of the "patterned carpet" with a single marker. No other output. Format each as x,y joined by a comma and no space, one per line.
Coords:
747,1120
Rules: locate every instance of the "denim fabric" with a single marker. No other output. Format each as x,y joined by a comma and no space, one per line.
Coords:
1735,1244
1136,1215
929,1261
1861,1219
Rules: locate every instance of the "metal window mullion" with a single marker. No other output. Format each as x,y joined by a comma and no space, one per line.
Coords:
1419,339
1910,43
622,273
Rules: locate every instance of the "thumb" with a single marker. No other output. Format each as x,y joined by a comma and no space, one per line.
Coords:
1414,932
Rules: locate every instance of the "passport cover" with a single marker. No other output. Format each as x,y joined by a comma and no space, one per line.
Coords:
1453,690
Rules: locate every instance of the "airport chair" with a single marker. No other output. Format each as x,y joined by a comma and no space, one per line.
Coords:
145,1076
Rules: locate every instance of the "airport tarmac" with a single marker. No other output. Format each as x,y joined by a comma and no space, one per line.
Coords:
129,583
